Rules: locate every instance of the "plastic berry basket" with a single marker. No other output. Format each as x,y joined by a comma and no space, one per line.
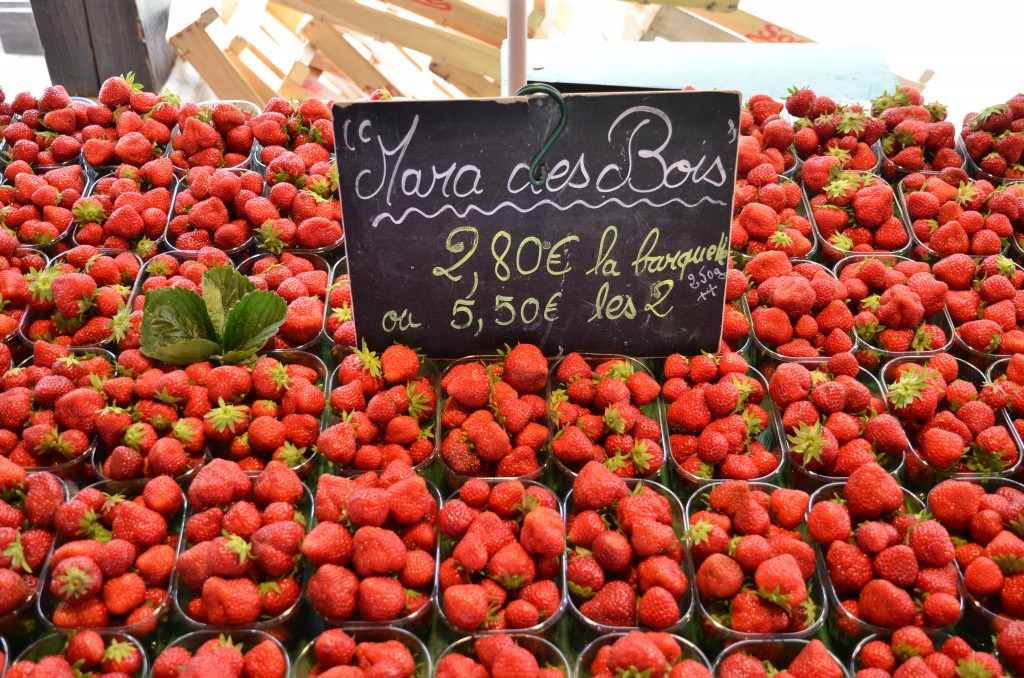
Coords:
545,652
855,663
237,254
803,479
32,316
908,222
419,621
245,106
453,479
544,628
996,370
830,252
4,652
305,662
589,653
47,602
54,644
22,624
766,352
779,652
975,170
319,264
919,473
337,351
719,635
803,209
941,319
686,603
182,594
247,638
981,620
428,370
770,438
654,409
18,328
842,626
158,242
75,470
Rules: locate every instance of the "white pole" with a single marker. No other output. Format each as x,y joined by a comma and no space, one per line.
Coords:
516,45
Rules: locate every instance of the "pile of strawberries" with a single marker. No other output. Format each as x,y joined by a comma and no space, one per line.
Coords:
504,569
596,409
28,503
305,128
797,310
387,411
128,125
898,305
716,416
994,138
85,653
951,417
853,211
49,130
496,656
302,209
222,657
765,137
952,214
769,215
834,423
127,209
81,298
212,208
47,408
985,302
373,547
917,137
843,131
339,326
652,653
813,661
615,531
1010,382
336,649
754,571
985,519
37,207
888,566
302,282
115,554
242,541
17,267
911,651
505,441
212,136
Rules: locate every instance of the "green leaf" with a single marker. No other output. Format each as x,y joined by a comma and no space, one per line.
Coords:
176,328
251,323
223,287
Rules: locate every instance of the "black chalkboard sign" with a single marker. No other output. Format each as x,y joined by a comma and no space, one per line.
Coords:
623,249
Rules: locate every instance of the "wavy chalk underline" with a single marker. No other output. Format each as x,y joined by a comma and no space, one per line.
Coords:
474,208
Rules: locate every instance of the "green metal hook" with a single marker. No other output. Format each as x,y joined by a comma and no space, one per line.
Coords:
537,174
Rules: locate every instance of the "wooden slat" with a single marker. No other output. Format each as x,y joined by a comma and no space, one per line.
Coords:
69,53
289,18
752,28
345,57
443,45
196,46
678,25
459,15
709,5
470,84
264,88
